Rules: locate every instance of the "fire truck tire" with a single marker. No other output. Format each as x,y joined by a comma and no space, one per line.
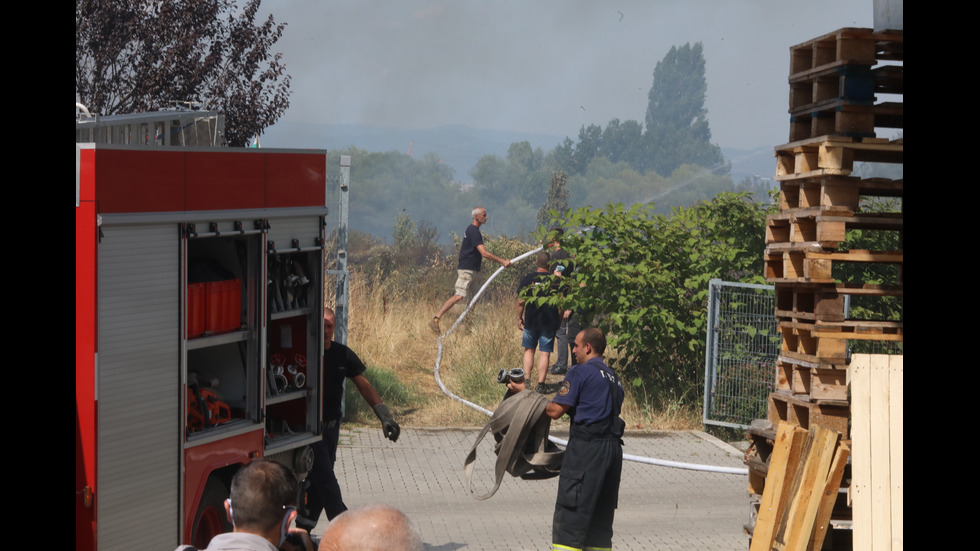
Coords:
210,519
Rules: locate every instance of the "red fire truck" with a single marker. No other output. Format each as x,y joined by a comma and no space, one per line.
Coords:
198,326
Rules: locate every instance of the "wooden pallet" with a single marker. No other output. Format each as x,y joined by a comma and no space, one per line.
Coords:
800,343
808,263
834,193
826,227
849,84
845,118
810,382
823,342
846,46
833,156
824,302
786,408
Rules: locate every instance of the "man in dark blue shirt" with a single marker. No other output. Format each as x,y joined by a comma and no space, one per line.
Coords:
588,487
471,255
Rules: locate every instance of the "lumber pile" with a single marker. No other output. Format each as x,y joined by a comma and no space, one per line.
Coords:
824,200
799,497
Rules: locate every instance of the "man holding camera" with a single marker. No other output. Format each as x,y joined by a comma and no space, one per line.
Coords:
261,508
588,487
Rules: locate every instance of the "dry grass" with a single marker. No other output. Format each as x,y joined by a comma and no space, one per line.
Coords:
389,330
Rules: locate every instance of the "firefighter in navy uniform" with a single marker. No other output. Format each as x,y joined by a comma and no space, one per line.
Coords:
339,362
588,487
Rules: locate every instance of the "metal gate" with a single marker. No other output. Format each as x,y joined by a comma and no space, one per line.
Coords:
741,349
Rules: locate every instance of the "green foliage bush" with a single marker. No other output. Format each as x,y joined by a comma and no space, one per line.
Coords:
643,278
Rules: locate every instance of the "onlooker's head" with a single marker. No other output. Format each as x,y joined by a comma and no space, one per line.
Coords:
480,216
259,493
554,235
541,261
371,528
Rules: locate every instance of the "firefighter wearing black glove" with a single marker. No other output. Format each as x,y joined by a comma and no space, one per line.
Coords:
388,424
340,363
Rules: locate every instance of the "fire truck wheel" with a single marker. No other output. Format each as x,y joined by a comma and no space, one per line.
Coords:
210,519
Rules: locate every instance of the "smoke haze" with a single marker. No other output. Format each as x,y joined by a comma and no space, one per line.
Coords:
543,66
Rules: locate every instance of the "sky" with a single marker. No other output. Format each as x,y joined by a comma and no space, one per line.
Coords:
544,66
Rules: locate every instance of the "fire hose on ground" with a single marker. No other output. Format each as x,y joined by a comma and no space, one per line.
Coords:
477,407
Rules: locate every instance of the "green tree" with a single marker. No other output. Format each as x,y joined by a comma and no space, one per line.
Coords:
589,140
526,177
141,55
623,141
677,129
557,199
563,156
491,180
387,185
643,277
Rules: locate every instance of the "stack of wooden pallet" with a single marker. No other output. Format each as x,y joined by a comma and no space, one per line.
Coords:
833,81
834,112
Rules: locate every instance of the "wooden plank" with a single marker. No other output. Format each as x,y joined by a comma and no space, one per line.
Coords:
860,330
881,518
829,497
884,257
784,376
839,193
782,468
800,520
860,373
827,384
800,343
896,404
871,289
814,363
818,267
828,305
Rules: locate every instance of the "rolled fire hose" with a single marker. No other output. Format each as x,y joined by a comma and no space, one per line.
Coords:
628,457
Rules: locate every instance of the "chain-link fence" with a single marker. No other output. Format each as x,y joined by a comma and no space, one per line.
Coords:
742,347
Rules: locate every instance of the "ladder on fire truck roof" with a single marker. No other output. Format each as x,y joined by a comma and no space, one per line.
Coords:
178,127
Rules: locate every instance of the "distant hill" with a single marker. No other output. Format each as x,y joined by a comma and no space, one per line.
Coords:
458,146
461,146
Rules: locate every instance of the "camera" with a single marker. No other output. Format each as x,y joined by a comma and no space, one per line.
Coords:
508,375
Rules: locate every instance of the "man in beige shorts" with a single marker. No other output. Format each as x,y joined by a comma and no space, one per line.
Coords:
471,255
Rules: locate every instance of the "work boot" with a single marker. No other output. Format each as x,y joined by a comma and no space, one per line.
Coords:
555,370
539,473
434,325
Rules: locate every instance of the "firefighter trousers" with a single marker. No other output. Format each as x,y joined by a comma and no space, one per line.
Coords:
323,494
588,489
